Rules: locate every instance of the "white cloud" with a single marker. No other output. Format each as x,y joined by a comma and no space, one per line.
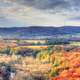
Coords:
72,23
30,16
21,15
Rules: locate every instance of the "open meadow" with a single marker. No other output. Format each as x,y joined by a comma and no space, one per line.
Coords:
41,62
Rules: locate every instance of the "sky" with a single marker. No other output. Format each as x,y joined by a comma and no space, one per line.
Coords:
23,13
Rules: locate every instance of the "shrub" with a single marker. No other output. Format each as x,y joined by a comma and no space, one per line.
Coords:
7,51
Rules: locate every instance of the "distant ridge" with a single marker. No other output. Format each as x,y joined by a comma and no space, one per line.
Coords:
37,31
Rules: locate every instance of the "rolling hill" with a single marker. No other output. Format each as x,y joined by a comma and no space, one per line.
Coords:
37,32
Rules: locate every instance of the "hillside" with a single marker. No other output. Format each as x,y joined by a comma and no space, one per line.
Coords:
37,32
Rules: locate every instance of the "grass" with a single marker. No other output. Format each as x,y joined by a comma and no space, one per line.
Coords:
28,68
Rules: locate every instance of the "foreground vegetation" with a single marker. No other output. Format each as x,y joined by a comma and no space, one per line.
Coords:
50,63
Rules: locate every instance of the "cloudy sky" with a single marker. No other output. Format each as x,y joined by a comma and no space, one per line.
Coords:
18,13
